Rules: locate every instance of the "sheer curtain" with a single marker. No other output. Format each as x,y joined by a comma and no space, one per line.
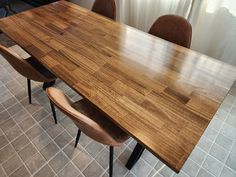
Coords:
214,28
142,13
213,21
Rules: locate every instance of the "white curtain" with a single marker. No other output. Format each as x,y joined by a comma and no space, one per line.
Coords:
213,21
142,13
214,29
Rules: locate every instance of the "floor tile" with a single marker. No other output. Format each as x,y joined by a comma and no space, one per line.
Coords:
71,151
20,116
3,141
47,122
41,141
124,156
191,168
40,114
93,169
103,158
9,102
2,173
4,116
20,142
34,132
141,168
204,173
63,139
149,158
49,151
27,124
227,172
82,160
229,131
12,164
94,148
219,152
166,172
231,161
231,120
7,124
35,162
27,152
69,171
21,172
13,132
212,165
58,162
224,142
55,131
46,171
14,109
233,151
6,152
198,155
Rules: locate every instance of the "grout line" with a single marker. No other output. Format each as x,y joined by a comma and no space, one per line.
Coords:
208,154
46,163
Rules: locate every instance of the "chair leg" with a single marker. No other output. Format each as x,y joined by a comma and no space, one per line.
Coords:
111,161
53,112
6,13
29,90
77,137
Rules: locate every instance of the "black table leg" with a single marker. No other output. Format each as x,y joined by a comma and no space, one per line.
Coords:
136,154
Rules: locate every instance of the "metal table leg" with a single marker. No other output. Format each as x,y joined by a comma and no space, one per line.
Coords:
136,154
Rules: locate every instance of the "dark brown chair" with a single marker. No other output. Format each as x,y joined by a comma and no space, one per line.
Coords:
89,120
106,8
5,4
173,28
27,66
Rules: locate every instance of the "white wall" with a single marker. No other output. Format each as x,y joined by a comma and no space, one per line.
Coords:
84,3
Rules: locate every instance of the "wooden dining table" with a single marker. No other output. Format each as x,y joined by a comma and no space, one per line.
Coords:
161,94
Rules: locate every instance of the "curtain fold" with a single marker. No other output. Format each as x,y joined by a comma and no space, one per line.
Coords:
214,29
142,13
213,21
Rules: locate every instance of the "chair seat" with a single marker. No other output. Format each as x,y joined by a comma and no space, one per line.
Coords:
117,135
32,61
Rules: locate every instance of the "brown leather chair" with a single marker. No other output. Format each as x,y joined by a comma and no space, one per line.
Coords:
89,120
27,66
173,28
106,8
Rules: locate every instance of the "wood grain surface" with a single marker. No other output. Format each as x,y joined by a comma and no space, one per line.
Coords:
160,93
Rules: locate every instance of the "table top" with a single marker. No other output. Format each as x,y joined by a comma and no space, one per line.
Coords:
160,93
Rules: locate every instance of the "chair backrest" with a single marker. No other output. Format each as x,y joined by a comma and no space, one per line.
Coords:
92,126
105,7
173,28
3,3
21,65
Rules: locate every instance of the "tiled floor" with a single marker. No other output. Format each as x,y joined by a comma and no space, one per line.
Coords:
32,145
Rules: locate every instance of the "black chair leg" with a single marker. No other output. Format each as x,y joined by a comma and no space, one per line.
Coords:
29,90
111,161
53,112
48,84
6,13
77,137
